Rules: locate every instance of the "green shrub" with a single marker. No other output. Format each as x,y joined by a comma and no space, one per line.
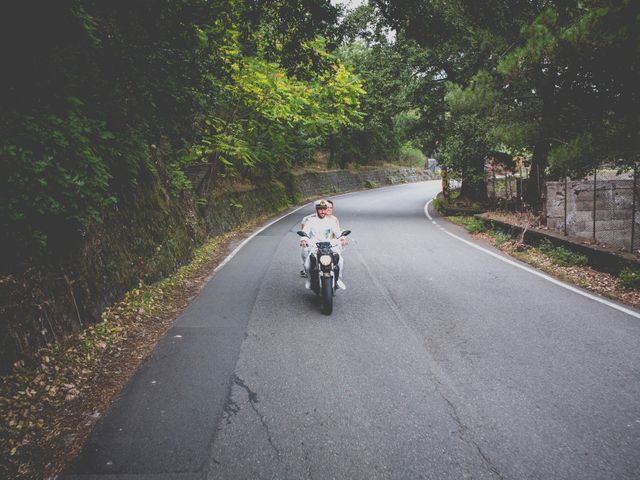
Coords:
629,278
55,178
391,180
561,255
475,225
412,156
472,224
500,237
545,246
296,198
371,184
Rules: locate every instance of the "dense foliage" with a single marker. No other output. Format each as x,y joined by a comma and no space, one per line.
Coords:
392,128
99,98
554,80
117,117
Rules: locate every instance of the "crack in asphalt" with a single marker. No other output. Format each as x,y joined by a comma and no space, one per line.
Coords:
253,400
463,429
231,409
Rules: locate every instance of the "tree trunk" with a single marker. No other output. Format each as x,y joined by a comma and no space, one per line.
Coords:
474,185
474,191
446,192
535,183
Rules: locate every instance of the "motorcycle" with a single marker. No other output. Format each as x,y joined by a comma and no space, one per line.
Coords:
324,271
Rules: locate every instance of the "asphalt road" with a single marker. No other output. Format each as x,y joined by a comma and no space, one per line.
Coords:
440,361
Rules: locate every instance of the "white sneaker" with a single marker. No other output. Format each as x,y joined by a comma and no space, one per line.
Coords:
341,284
307,285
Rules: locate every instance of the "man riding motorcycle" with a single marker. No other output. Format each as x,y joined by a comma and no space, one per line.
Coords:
321,228
343,240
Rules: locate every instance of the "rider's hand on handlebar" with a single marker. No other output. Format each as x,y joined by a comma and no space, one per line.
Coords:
344,241
304,243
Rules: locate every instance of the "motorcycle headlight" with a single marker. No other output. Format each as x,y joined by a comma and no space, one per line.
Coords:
325,260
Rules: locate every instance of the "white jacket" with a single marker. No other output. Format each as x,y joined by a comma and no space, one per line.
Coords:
325,229
315,215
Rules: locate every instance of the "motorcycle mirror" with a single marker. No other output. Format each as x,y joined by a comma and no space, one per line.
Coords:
302,234
345,233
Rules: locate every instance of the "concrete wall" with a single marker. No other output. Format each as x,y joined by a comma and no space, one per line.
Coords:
613,210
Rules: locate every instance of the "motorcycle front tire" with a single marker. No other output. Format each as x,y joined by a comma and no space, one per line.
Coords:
315,283
327,295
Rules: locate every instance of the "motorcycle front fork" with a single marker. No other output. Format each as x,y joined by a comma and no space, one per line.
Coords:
313,272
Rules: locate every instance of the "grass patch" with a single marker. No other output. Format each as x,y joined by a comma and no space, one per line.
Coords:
437,204
629,279
457,219
499,237
561,255
475,225
558,255
472,224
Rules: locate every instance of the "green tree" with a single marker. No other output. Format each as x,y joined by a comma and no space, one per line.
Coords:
565,71
448,54
469,124
267,119
391,120
105,98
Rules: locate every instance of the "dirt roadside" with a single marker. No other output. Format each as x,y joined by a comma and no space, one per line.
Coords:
50,405
601,283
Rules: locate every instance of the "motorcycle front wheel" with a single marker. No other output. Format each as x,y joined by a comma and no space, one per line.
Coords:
327,295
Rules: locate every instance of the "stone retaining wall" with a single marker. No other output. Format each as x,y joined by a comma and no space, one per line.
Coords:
613,210
311,184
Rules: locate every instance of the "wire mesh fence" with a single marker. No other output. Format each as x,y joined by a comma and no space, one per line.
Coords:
506,190
601,208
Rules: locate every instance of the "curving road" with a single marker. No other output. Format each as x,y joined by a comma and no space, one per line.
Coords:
440,361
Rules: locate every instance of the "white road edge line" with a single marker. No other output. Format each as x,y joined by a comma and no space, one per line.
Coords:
426,210
249,238
538,273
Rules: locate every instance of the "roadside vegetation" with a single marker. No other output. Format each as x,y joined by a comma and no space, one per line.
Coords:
111,108
550,82
121,122
559,261
51,401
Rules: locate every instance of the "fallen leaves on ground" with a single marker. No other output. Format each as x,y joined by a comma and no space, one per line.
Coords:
50,404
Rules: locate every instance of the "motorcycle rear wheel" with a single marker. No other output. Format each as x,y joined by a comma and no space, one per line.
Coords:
327,295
